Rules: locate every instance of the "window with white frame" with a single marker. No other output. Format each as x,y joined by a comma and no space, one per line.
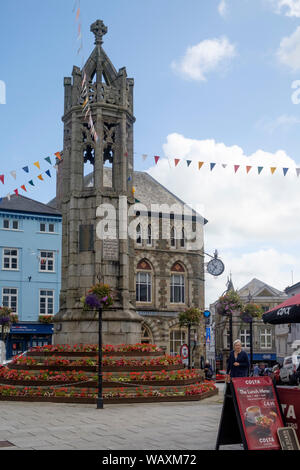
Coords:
10,224
47,227
177,288
10,298
47,261
143,287
46,302
245,338
10,258
177,339
266,338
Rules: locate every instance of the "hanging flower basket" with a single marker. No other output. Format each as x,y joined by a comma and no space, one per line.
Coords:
251,311
99,295
191,316
7,317
229,303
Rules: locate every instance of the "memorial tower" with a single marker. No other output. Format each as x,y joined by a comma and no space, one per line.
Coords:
98,132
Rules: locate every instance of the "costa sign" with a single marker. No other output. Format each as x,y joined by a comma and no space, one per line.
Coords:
284,311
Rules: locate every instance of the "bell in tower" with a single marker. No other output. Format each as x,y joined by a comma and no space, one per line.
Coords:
96,171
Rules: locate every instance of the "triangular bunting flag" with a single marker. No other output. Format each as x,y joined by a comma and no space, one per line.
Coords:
23,187
48,173
77,13
31,182
285,170
188,162
212,165
156,158
224,165
200,165
40,177
236,167
58,155
298,171
2,178
273,168
48,159
248,168
259,169
13,174
26,169
37,164
176,160
56,167
16,191
144,156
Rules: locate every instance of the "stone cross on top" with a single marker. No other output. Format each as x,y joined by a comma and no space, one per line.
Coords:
99,29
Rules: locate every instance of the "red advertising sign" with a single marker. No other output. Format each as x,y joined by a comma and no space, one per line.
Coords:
259,411
290,403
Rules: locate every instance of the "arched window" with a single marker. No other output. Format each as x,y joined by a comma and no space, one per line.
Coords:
177,284
144,282
147,337
182,240
173,237
139,234
149,235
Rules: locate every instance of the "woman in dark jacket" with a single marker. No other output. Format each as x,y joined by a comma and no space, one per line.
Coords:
238,362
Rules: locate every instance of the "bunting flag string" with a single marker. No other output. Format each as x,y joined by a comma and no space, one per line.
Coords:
26,168
212,165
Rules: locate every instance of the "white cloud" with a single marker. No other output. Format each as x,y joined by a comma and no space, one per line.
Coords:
222,8
205,57
284,122
289,50
287,7
251,217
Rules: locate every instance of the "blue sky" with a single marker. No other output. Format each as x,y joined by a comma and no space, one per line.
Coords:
243,98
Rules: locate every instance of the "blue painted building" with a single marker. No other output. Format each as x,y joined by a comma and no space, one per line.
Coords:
30,269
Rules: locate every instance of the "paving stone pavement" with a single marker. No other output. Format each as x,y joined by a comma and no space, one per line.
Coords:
153,426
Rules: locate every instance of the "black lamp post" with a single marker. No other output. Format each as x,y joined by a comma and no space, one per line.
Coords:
100,396
250,321
189,345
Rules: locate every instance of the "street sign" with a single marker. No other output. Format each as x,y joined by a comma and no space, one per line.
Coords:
184,351
206,313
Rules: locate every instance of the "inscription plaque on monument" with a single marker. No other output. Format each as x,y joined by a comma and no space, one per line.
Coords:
110,250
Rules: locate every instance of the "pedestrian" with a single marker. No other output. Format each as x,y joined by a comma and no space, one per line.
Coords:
238,362
208,371
256,370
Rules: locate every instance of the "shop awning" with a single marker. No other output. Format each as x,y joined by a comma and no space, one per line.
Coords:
286,312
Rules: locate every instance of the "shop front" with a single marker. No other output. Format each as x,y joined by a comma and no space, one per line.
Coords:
23,336
269,359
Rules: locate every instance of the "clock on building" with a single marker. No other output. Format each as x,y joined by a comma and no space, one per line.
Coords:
215,267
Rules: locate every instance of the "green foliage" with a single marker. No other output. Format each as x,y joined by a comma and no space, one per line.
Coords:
191,316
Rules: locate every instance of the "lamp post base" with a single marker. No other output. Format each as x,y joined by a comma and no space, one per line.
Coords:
99,403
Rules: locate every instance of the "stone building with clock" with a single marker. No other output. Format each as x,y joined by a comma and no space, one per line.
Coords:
157,271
